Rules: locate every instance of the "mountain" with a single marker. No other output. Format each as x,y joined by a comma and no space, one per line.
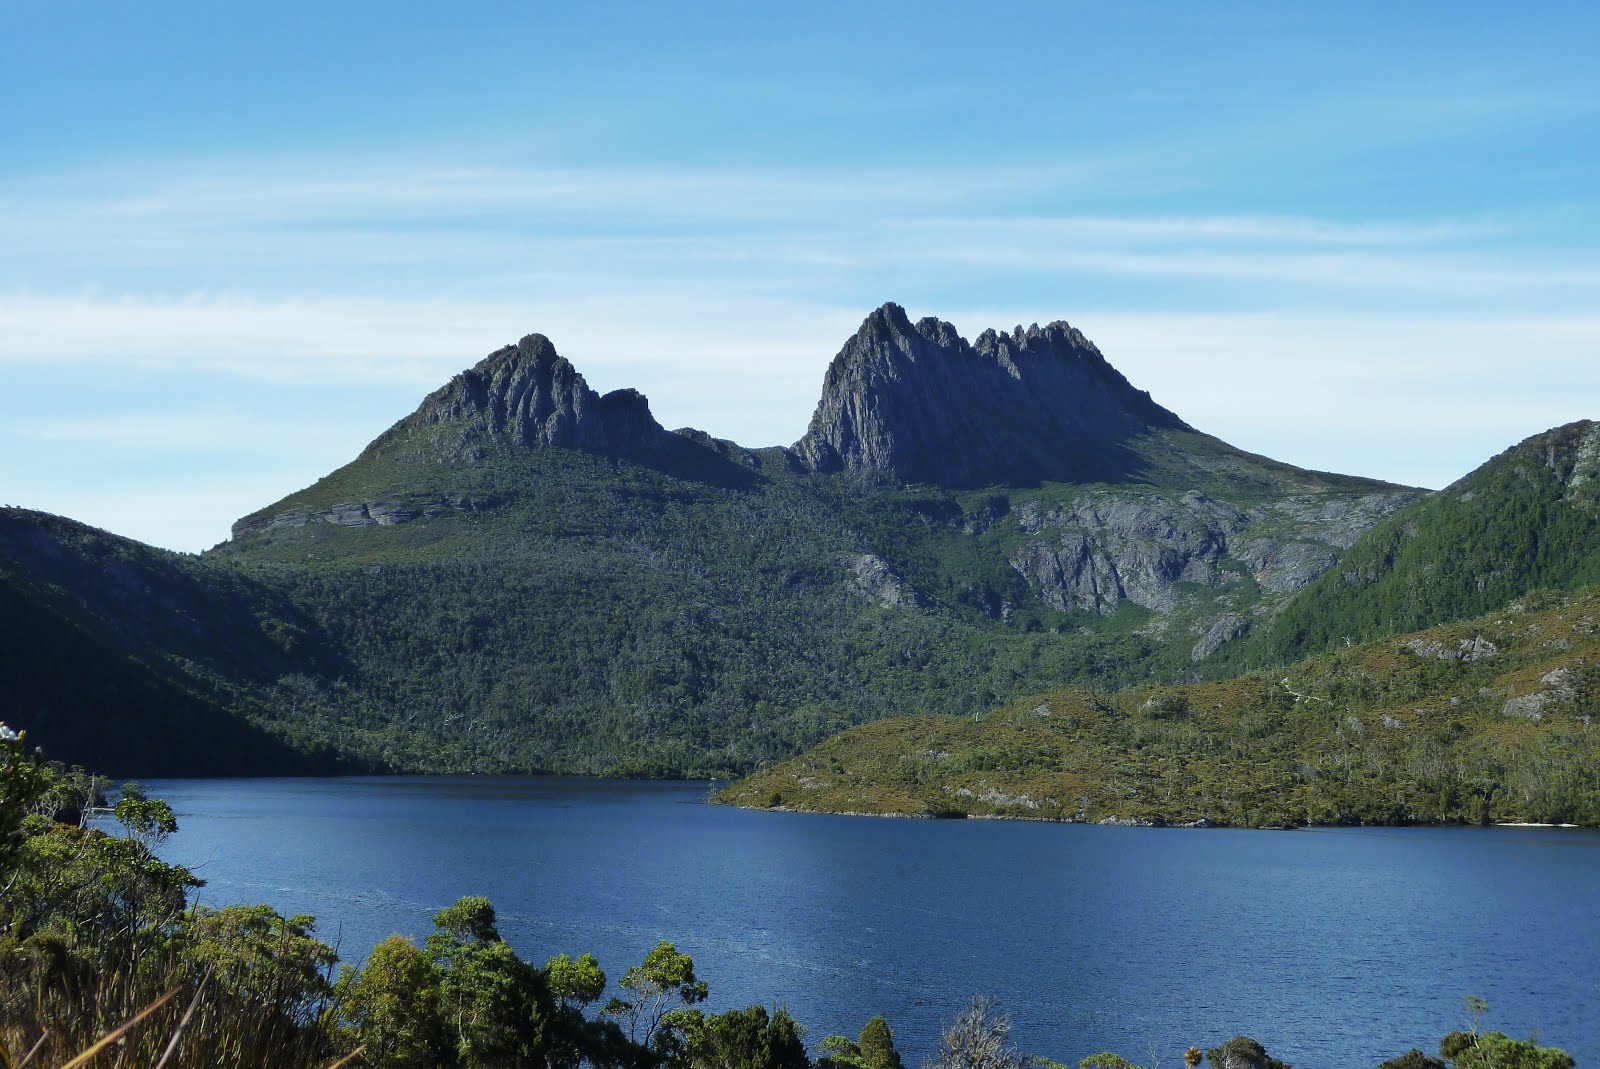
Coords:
921,404
525,575
1529,519
1491,719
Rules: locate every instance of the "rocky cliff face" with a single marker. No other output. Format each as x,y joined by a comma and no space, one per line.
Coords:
1572,452
526,396
387,513
920,403
523,396
1096,550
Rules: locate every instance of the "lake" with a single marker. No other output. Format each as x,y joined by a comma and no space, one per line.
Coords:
1333,947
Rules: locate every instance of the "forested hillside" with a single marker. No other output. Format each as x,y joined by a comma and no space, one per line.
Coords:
1529,519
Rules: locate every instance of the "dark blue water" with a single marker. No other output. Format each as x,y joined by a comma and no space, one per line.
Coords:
1333,947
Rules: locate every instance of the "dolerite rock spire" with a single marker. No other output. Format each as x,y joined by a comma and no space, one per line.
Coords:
918,402
525,396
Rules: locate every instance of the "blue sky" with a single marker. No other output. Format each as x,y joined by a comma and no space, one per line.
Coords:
237,242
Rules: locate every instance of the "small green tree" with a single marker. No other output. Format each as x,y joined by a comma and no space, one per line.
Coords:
275,963
873,1049
876,1044
841,1052
1242,1052
495,1006
1413,1059
1496,1050
574,1038
741,1039
1476,1049
470,920
148,821
24,780
664,981
392,1007
1106,1060
575,984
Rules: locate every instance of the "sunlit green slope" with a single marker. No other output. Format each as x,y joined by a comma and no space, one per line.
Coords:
1486,720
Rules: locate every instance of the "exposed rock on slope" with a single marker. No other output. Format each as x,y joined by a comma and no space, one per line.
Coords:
920,403
1098,549
870,576
365,513
1105,548
525,396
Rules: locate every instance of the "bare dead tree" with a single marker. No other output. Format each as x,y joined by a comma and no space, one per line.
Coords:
979,1038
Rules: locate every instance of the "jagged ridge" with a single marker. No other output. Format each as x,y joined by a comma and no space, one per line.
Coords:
922,404
525,396
519,397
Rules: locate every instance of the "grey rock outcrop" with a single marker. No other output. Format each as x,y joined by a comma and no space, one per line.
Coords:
921,404
1529,706
1099,548
1227,628
366,513
526,396
1581,462
1558,693
1335,519
1476,648
871,576
1283,567
1104,548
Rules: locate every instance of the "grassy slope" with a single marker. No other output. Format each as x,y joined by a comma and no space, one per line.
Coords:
1390,732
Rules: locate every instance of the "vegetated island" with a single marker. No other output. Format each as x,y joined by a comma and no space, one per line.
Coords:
105,959
1484,721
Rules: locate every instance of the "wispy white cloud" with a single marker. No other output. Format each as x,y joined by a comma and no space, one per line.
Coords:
1280,229
497,234
323,192
344,340
352,198
179,430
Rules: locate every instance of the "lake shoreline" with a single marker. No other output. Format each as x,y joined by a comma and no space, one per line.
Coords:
1120,822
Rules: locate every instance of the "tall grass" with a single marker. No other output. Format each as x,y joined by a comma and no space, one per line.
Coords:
161,1015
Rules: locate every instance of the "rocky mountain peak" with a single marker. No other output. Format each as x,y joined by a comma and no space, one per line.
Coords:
1569,455
920,403
526,396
